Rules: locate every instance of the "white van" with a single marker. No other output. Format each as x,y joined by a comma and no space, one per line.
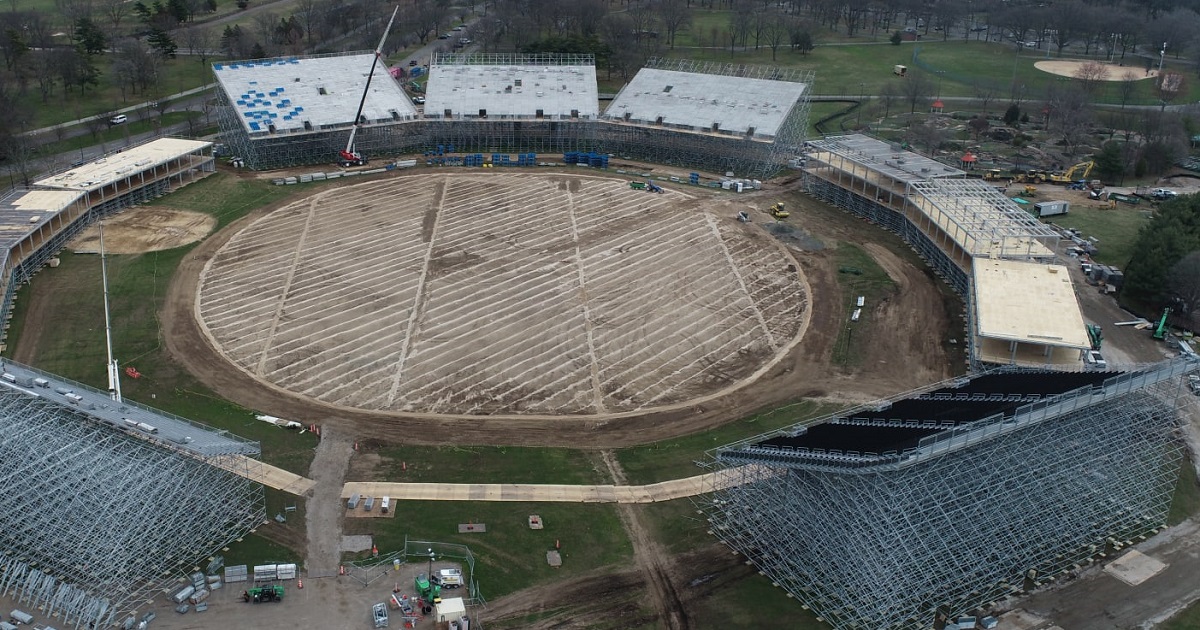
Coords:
119,119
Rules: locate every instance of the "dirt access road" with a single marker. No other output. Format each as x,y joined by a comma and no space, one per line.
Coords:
907,331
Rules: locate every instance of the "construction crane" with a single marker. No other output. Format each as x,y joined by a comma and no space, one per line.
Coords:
348,156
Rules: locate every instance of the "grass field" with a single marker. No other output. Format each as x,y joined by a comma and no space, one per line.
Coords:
1115,229
676,458
118,135
509,555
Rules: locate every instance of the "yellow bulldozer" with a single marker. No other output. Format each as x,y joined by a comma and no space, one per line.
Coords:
778,211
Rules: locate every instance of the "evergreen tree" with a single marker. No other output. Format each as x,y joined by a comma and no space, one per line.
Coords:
1171,234
161,41
1012,114
1109,163
89,37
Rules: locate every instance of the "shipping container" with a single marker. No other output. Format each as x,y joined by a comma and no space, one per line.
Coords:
21,616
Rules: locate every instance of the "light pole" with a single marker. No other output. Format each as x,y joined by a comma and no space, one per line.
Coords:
1162,54
430,573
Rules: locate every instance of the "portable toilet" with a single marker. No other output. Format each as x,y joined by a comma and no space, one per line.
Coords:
385,505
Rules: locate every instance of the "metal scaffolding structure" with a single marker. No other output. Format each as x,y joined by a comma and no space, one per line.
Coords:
938,503
99,518
476,104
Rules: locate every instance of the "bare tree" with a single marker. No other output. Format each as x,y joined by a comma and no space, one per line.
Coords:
1091,75
115,11
916,89
307,11
675,16
1127,86
985,92
1170,86
927,135
199,41
887,96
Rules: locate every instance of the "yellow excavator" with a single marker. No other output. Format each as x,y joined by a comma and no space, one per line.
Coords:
1075,173
779,212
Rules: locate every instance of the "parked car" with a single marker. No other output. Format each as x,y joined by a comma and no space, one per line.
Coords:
419,100
1162,194
118,119
444,36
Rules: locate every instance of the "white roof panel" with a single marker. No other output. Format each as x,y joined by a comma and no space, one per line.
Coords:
734,104
1027,302
117,166
322,91
512,90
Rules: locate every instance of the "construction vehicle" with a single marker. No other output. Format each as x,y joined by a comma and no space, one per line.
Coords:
1095,336
349,156
654,188
1030,191
778,211
992,175
263,594
426,589
637,185
1078,172
1031,177
1160,331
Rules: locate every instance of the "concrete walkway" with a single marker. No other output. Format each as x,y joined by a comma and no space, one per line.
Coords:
292,483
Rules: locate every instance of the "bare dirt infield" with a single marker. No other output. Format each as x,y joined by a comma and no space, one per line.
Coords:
145,229
500,294
1069,68
907,334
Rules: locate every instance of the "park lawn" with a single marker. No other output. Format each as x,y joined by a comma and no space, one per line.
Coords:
117,135
183,73
1115,229
676,458
254,549
485,464
509,556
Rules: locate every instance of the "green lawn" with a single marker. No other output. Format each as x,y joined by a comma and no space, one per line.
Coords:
675,458
758,604
117,136
509,556
1115,228
183,73
485,464
255,549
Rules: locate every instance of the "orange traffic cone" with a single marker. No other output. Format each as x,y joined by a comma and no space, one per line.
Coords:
299,583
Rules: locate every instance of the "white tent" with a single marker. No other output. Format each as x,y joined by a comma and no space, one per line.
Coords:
451,609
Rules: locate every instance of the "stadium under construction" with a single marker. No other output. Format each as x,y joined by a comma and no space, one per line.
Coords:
747,120
914,511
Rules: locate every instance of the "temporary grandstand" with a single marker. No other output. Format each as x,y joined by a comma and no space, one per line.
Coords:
482,102
716,117
107,503
954,224
299,110
719,117
37,223
938,503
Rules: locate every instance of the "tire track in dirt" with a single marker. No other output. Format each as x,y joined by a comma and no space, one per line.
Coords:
648,555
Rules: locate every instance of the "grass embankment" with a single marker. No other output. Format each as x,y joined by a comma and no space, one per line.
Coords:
486,464
858,275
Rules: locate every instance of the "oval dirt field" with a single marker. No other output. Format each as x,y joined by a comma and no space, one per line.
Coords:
499,294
